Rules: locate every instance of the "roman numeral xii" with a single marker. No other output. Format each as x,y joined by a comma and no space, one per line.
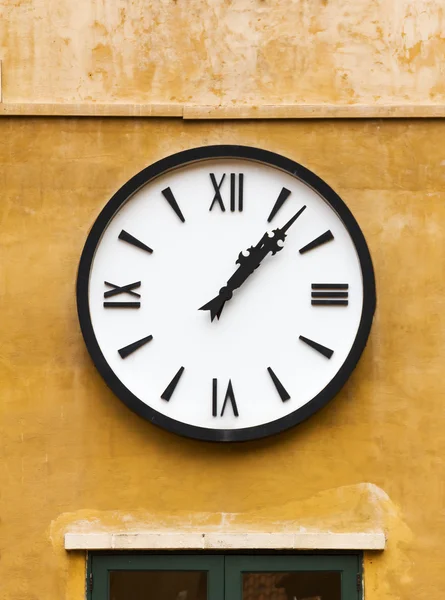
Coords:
236,198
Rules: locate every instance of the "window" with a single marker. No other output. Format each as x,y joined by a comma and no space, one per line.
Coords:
224,577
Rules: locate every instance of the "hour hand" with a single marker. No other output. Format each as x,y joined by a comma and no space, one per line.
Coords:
216,305
248,264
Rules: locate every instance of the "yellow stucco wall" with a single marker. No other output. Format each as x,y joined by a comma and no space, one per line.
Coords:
73,457
223,51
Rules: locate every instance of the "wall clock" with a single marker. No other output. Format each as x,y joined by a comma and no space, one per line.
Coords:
225,293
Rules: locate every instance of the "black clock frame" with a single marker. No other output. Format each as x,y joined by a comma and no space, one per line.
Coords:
182,159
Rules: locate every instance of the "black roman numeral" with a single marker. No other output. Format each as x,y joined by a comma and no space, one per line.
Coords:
122,289
330,294
229,397
233,196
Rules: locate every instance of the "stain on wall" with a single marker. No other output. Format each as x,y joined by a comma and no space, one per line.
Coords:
227,52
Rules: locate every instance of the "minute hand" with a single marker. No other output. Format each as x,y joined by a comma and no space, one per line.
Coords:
248,264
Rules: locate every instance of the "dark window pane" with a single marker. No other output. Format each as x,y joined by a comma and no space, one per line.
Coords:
297,585
158,585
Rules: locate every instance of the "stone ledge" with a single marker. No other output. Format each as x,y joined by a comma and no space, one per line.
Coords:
154,540
239,111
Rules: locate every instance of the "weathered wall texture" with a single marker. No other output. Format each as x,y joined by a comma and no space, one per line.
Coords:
73,457
229,52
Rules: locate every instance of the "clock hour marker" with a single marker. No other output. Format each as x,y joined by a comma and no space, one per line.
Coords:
168,195
324,238
229,397
122,289
318,347
122,305
284,195
130,239
217,187
214,397
240,191
248,264
330,286
168,392
218,197
327,297
127,350
279,386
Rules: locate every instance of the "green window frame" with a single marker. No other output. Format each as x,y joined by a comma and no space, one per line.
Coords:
224,571
347,565
101,565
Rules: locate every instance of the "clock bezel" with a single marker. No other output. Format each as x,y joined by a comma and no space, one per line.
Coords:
183,159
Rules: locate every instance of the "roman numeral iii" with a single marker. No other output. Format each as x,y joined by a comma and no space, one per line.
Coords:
122,289
236,192
329,294
228,398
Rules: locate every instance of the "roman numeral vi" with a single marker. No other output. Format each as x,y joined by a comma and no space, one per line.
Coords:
229,397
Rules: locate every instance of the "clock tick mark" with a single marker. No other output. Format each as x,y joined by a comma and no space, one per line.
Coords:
324,238
284,195
168,195
327,352
279,386
168,392
130,239
127,350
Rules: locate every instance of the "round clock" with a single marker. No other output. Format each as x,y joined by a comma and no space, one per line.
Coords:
225,293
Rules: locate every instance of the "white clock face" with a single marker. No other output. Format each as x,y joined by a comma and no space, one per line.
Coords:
207,346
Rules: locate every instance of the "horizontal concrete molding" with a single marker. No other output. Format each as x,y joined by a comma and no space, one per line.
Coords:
30,109
153,540
202,112
315,111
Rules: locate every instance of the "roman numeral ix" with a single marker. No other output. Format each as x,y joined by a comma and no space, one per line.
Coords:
329,294
229,397
122,289
217,199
